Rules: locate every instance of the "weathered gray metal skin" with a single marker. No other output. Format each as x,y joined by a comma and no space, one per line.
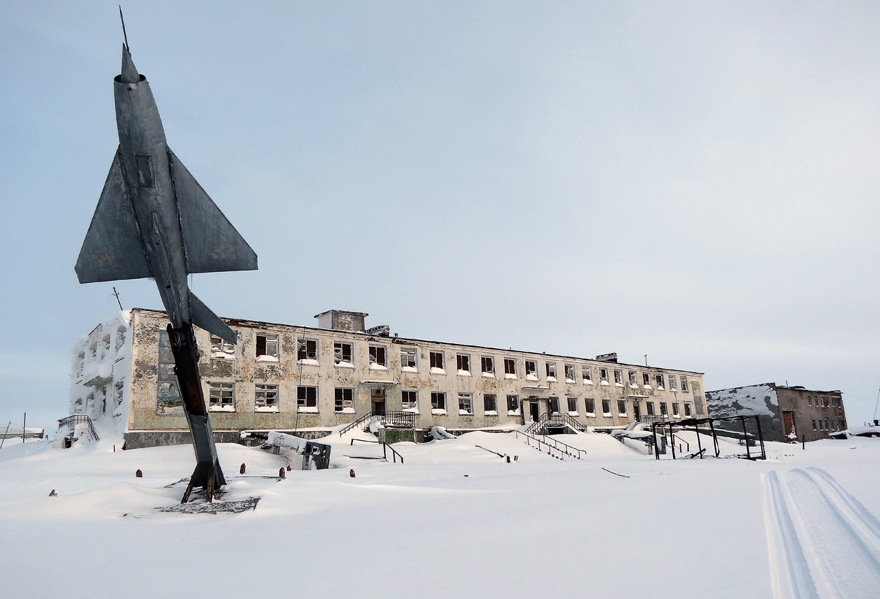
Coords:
142,149
150,207
153,218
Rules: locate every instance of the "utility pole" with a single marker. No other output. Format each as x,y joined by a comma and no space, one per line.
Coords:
3,440
116,293
24,427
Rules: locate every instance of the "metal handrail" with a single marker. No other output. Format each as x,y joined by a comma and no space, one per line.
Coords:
686,444
536,424
74,419
556,417
397,417
570,421
351,425
552,444
385,446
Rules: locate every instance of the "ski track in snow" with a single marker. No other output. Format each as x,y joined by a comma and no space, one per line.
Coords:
823,543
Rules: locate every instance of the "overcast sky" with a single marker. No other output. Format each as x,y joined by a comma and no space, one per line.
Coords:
694,181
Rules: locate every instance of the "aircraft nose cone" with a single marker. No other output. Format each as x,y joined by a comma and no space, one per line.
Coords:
129,73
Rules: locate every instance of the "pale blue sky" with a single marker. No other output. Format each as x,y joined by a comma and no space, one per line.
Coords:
695,181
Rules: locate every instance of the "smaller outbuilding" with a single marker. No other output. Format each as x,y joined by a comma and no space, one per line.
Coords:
786,413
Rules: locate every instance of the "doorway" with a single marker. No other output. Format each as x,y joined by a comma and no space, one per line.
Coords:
637,412
377,397
533,410
788,422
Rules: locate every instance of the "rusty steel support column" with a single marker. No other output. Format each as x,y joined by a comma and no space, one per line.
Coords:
207,473
714,439
742,419
761,438
699,445
654,433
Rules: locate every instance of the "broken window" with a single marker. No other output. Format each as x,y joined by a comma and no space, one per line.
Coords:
267,345
80,363
587,374
266,396
487,365
672,382
307,397
606,407
437,360
307,349
490,403
646,379
659,380
106,341
687,409
649,408
438,400
554,405
814,425
120,386
222,349
222,396
464,403
603,375
632,377
684,384
408,357
512,403
531,369
410,399
344,400
93,349
377,355
463,361
663,408
590,405
572,404
510,367
120,337
675,408
621,407
551,370
618,377
342,352
569,373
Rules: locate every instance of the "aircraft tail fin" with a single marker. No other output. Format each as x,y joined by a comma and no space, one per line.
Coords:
112,249
212,243
204,318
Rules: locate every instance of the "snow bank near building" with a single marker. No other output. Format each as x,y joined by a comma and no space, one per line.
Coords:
506,529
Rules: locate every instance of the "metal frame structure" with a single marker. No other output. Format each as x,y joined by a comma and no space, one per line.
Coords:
696,422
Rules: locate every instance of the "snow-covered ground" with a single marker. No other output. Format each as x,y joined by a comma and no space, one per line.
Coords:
453,520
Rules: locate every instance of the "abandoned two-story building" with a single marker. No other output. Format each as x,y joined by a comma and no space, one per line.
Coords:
293,378
786,413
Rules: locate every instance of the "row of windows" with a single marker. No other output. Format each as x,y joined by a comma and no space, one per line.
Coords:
98,350
343,355
822,402
829,425
266,397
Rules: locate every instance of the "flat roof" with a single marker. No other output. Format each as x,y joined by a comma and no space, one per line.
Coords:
256,324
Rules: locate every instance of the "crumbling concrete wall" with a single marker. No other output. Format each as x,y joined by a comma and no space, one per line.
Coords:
242,369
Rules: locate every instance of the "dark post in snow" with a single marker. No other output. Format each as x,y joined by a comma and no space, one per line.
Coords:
154,220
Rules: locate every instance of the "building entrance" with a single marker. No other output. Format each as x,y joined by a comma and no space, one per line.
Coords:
377,396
